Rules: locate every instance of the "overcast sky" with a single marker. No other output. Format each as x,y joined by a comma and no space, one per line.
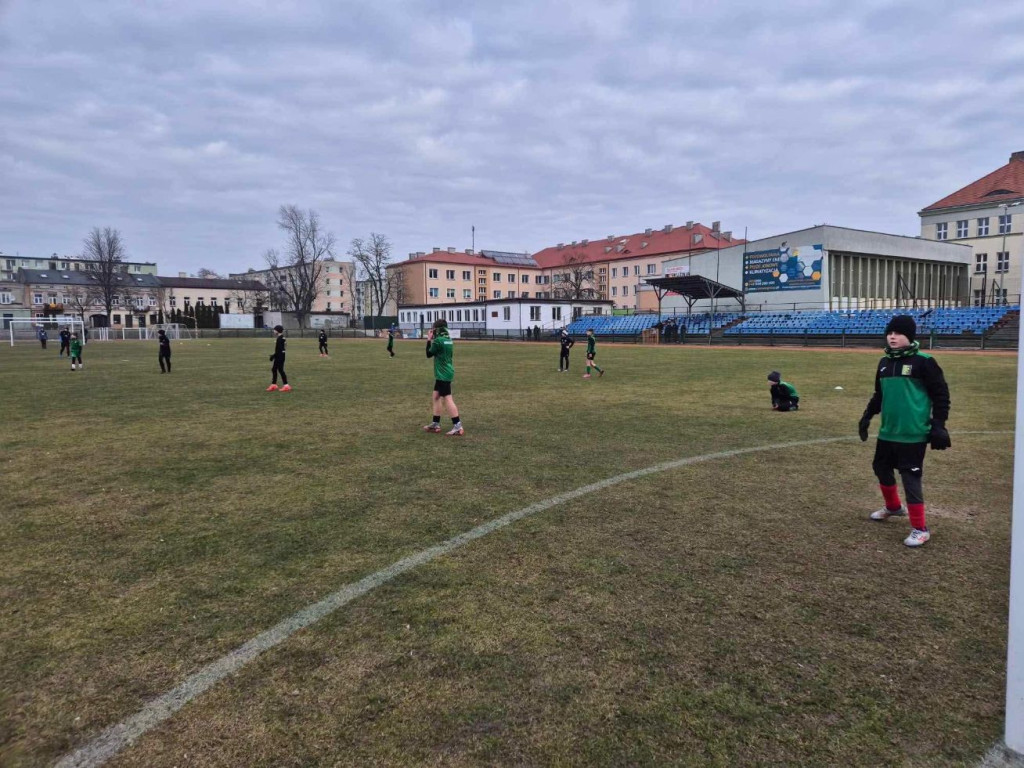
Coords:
186,124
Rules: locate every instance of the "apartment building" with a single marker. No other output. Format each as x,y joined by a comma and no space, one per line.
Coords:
987,215
337,290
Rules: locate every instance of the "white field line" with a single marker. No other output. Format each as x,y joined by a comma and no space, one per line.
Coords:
117,737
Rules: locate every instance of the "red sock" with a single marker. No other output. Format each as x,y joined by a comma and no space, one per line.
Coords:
916,513
891,494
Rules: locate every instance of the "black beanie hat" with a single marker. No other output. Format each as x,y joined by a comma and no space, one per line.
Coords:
775,376
902,324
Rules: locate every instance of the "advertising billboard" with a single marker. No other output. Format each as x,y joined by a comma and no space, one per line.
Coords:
786,268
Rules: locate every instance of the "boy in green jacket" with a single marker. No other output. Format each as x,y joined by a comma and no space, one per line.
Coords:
591,354
913,398
784,394
440,347
76,352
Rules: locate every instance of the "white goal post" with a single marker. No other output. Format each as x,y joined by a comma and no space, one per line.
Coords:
174,331
23,330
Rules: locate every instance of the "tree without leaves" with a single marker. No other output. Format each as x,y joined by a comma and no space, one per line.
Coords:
373,257
576,281
80,299
295,282
105,252
208,274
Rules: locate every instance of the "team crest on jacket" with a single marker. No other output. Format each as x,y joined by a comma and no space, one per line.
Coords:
907,369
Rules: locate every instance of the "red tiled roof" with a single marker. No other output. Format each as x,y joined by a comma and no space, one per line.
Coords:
640,245
444,257
1009,178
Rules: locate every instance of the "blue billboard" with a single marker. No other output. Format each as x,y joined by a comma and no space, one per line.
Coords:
786,268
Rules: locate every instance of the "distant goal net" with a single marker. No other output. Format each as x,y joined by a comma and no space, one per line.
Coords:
28,330
174,331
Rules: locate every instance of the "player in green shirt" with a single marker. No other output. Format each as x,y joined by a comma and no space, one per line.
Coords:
784,394
440,347
591,354
76,351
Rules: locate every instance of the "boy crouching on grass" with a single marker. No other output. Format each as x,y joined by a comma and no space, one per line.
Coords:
784,394
440,347
913,398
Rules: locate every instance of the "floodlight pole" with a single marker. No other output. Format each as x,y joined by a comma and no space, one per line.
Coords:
1014,728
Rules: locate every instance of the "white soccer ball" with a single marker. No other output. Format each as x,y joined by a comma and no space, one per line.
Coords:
839,388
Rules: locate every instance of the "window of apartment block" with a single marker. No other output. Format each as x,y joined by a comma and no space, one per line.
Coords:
200,301
511,278
652,269
450,293
434,293
979,297
1004,223
507,313
152,301
615,271
458,315
636,269
117,319
1002,261
625,290
941,231
173,301
983,227
538,279
467,293
449,274
37,298
432,273
188,300
467,274
481,281
525,295
535,313
556,313
615,290
496,276
6,298
525,279
961,228
980,263
497,294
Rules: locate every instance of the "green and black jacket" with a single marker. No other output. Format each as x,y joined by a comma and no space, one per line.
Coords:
910,393
442,349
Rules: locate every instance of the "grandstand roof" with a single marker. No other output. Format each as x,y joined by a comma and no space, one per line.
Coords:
695,286
659,242
1002,185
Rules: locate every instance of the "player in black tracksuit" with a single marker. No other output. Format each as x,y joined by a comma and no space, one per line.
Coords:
165,352
566,342
65,342
278,360
322,339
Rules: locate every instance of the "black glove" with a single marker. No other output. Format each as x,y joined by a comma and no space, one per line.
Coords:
939,437
271,358
862,427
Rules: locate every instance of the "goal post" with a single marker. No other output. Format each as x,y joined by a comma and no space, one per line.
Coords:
26,330
174,331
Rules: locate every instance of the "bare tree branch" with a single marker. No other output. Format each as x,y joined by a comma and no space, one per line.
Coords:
576,279
295,282
372,257
105,253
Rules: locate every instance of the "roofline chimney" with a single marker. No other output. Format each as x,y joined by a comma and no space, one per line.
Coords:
1017,157
437,249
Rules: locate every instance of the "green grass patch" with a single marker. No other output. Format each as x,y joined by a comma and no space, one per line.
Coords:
735,612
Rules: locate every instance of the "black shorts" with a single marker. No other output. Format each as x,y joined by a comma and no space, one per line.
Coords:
443,388
899,456
590,355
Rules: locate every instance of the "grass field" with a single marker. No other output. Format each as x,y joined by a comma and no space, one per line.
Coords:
739,611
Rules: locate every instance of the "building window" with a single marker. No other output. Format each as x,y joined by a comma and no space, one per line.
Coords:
37,298
979,297
467,275
980,263
450,293
173,301
188,300
941,232
556,313
983,227
615,291
152,301
525,294
432,274
481,281
1002,261
434,292
511,278
496,276
117,319
507,313
625,290
535,313
652,269
961,228
511,294
6,298
467,293
458,315
525,279
497,294
449,274
1004,224
615,271
636,269
200,301
538,279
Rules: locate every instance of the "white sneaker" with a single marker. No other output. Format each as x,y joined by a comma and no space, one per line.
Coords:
885,513
432,427
456,431
917,537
